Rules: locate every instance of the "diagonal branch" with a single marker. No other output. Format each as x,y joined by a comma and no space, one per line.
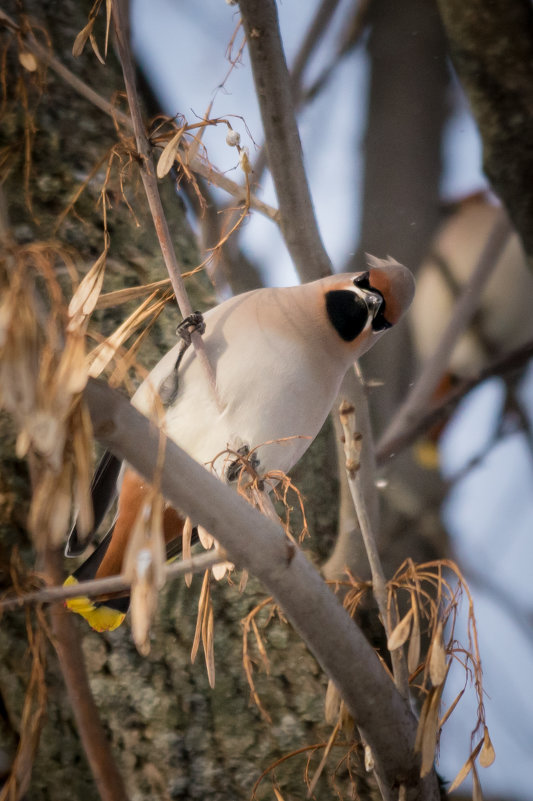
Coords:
259,545
273,88
420,396
150,184
509,363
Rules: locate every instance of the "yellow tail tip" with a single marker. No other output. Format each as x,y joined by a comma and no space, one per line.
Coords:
427,454
100,618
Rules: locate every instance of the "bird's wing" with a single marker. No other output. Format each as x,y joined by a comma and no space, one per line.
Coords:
103,493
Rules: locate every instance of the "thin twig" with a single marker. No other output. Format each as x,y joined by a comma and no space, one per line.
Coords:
195,163
149,179
420,396
347,550
271,77
106,586
352,447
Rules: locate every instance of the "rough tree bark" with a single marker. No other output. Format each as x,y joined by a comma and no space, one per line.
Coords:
492,50
171,734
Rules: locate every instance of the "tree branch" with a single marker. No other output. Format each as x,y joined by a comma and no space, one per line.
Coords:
420,396
285,159
352,439
349,551
106,586
149,180
260,546
67,644
492,50
195,163
509,363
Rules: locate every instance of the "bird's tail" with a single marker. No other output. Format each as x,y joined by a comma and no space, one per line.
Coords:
105,614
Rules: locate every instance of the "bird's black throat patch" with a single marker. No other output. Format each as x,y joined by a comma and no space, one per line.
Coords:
347,312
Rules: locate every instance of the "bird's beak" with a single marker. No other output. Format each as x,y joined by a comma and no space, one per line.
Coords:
396,285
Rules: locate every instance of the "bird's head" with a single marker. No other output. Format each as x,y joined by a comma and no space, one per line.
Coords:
360,307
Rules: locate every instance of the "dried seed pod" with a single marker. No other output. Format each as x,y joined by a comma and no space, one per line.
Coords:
401,631
437,660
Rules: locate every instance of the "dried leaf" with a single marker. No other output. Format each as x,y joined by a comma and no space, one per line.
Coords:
96,49
260,646
461,776
400,632
143,601
205,537
204,594
487,754
428,729
437,659
101,355
167,157
244,581
209,645
369,759
413,652
220,570
467,767
50,511
136,542
332,705
81,39
23,443
84,299
28,60
71,374
477,795
108,11
186,546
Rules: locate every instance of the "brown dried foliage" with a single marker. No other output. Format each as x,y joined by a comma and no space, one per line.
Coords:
433,593
34,707
42,375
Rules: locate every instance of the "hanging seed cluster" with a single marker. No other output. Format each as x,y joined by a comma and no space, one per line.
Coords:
42,375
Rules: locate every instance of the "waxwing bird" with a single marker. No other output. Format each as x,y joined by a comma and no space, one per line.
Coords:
504,320
279,356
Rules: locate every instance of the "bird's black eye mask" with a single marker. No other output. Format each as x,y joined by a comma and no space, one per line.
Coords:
349,311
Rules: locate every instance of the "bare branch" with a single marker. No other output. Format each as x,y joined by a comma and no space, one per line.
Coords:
315,32
273,88
260,546
348,552
112,584
194,162
509,363
67,644
149,179
419,398
352,448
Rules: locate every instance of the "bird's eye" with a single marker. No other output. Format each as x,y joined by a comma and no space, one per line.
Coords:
362,281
